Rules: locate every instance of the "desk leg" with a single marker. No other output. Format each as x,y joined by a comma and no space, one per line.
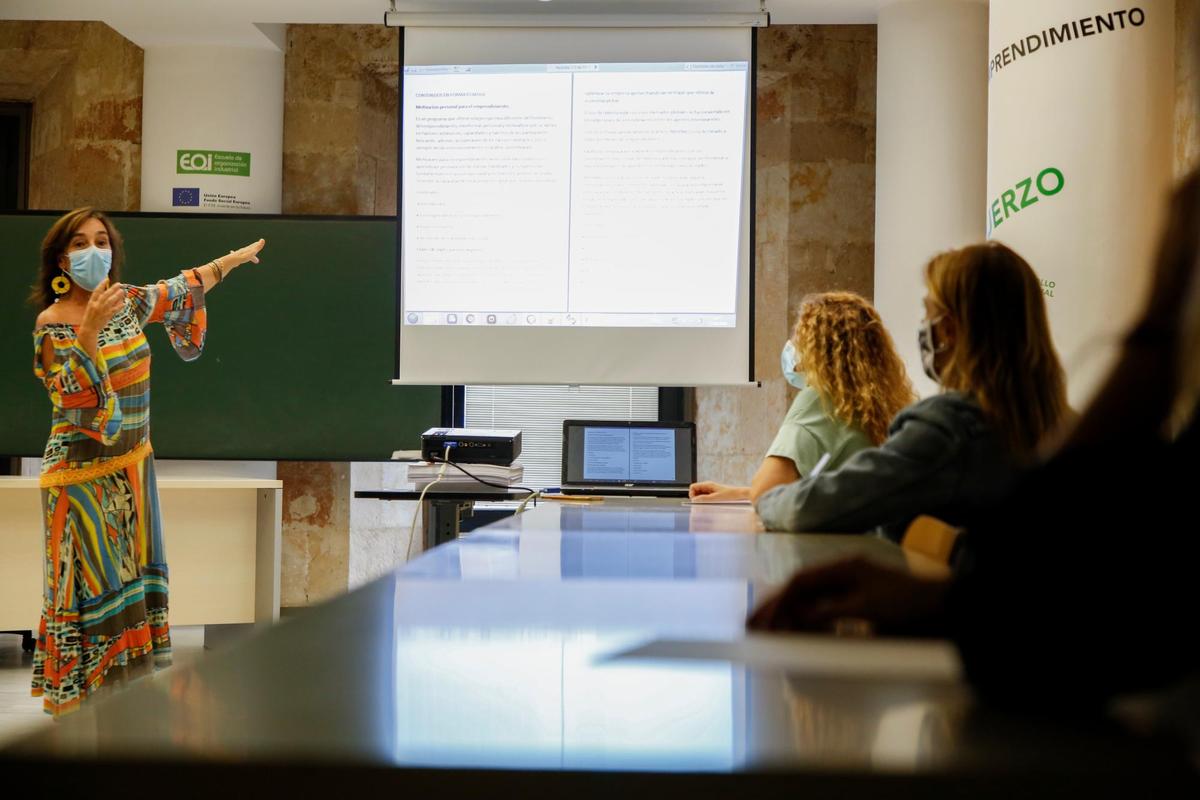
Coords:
442,518
267,555
268,549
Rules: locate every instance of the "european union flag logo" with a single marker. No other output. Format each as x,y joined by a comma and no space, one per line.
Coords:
185,197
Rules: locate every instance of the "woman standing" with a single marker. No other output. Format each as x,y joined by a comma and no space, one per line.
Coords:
104,616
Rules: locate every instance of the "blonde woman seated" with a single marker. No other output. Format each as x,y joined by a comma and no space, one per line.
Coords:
986,340
851,384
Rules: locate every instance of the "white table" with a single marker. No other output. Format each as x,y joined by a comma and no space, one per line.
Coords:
222,537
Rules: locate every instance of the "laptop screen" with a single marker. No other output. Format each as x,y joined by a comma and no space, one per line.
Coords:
607,453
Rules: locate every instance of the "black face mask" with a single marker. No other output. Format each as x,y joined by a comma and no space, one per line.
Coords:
929,350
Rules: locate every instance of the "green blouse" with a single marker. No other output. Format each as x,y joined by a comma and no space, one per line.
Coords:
809,432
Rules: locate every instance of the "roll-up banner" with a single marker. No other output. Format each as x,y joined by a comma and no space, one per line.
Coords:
1080,115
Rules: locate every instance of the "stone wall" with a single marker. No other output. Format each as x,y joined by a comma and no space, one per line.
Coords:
339,119
316,536
815,219
85,83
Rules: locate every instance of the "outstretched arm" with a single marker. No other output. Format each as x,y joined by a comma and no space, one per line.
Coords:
214,271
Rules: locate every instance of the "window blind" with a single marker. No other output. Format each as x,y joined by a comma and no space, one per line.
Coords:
539,411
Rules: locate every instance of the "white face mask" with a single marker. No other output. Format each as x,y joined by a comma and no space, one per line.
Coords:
787,362
929,350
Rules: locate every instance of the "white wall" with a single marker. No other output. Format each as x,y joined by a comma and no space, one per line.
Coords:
931,153
209,98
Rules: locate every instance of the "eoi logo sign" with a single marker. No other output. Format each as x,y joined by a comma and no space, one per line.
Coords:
212,162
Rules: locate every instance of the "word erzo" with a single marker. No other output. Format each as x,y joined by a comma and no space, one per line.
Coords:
1048,183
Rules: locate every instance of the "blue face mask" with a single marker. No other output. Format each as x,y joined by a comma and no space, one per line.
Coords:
90,266
787,362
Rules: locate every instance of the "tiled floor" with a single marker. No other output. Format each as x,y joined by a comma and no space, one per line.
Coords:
21,714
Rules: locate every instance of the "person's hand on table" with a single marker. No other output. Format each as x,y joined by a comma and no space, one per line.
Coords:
860,589
712,492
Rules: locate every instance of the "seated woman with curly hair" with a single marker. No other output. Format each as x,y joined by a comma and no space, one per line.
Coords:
851,384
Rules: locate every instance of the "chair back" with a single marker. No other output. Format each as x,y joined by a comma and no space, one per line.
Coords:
932,538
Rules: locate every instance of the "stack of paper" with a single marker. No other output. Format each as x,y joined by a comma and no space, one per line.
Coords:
455,480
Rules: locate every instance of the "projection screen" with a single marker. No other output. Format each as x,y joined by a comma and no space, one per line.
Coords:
576,206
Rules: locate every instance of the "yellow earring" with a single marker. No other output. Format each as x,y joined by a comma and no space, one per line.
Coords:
60,285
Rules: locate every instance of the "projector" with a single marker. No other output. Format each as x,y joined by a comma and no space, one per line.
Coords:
472,445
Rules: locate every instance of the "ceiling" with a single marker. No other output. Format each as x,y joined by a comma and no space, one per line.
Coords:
257,23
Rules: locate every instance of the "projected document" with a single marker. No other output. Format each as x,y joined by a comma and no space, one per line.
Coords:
573,194
629,454
486,195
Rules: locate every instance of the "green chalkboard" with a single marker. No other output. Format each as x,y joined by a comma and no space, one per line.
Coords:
300,350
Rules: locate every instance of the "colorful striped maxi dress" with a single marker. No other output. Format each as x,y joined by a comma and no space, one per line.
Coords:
104,613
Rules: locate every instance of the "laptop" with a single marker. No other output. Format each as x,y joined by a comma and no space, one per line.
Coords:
636,459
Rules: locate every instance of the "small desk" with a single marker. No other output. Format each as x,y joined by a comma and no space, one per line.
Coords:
222,537
443,512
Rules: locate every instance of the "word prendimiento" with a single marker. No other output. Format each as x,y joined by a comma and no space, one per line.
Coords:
1067,32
